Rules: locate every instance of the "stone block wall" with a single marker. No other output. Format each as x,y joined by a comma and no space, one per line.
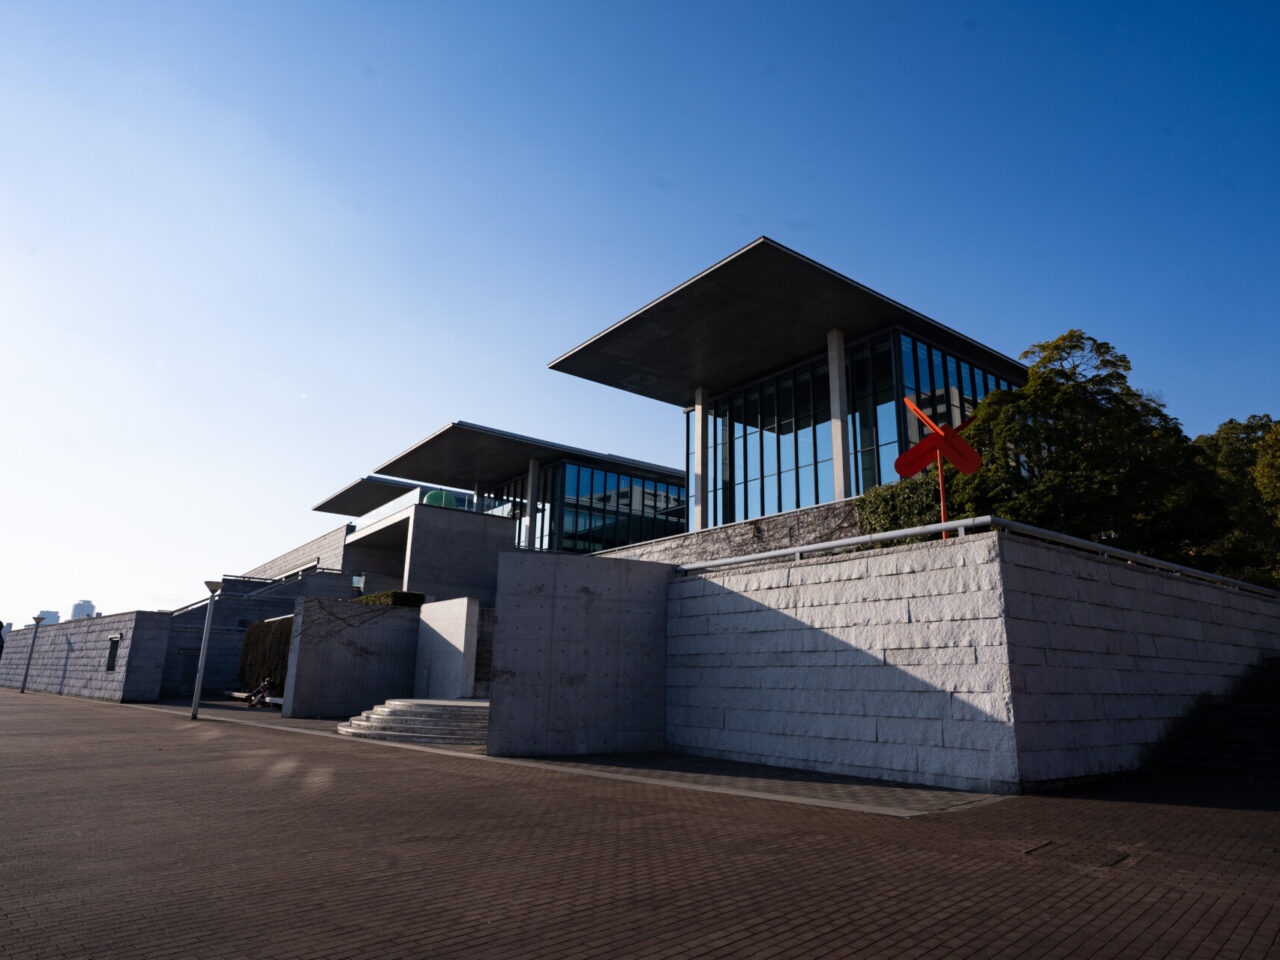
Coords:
888,663
827,521
327,547
1105,655
71,658
578,655
346,657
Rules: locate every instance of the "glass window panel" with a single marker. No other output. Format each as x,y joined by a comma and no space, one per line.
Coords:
738,505
980,383
597,489
882,367
966,380
908,364
753,499
887,423
938,382
584,483
787,495
822,435
922,368
855,475
753,454
887,455
804,398
861,363
867,467
953,391
786,445
826,482
807,491
804,445
751,416
570,480
769,429
736,413
770,495
821,393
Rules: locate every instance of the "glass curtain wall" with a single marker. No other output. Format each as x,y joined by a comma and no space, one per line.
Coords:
946,388
769,442
582,509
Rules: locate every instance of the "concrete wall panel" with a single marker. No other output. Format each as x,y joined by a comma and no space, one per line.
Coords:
346,657
578,655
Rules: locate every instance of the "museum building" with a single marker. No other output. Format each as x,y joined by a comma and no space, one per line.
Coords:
747,349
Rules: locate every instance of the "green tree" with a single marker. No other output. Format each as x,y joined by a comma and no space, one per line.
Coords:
1244,501
1266,475
1080,451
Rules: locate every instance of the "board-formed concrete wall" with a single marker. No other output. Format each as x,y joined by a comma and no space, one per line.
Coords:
345,657
327,548
1105,655
817,524
888,663
578,655
71,658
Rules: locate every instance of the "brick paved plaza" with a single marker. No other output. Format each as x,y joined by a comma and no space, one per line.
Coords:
131,832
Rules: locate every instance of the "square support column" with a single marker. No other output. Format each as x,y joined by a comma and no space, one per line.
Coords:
699,491
840,439
531,506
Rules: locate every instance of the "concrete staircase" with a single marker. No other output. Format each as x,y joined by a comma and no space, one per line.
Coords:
423,721
1237,734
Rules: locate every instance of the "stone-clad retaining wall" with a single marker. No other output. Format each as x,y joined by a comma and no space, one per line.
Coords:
71,658
888,663
1105,655
827,521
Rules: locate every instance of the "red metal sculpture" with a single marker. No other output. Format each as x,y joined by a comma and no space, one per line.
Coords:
942,441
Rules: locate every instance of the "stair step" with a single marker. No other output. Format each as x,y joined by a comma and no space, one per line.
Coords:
423,721
347,730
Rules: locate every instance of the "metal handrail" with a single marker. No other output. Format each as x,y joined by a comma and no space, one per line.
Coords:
974,523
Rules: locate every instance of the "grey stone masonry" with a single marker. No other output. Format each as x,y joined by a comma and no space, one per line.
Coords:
887,663
1105,654
827,521
72,658
578,655
327,548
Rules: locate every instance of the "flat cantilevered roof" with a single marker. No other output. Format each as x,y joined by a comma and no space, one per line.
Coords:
756,311
358,498
468,456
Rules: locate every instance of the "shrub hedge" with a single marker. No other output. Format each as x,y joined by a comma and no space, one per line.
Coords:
393,598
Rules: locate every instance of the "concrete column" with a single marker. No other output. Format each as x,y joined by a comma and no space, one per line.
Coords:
700,511
530,505
840,439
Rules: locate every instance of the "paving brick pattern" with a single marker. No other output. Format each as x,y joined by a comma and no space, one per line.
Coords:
137,833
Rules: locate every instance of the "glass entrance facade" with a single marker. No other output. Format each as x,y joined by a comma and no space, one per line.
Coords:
769,441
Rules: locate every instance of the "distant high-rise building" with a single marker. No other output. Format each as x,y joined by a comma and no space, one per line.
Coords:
82,609
50,616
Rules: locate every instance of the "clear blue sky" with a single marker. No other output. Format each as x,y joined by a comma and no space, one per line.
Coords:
248,251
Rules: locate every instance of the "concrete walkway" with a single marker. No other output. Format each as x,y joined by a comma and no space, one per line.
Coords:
129,832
